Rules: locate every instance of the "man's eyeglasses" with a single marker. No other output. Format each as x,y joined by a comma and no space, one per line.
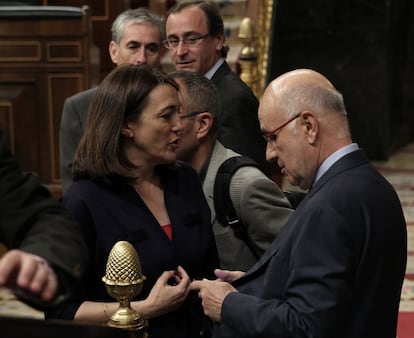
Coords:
189,40
194,113
271,136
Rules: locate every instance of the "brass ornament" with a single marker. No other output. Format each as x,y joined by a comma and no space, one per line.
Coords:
123,281
248,55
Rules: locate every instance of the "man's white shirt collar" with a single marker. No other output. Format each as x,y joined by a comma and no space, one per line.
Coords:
334,158
213,69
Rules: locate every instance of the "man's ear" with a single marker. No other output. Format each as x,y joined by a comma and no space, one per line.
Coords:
220,41
310,125
205,121
113,51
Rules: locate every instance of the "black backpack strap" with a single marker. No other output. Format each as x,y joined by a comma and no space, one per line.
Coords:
225,212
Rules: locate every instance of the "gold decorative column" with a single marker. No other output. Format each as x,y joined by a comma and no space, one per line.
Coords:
254,56
123,281
248,55
264,27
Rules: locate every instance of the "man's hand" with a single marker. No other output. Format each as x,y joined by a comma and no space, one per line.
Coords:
228,275
212,294
28,273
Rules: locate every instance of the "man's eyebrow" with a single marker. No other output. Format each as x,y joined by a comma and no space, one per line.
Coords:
134,42
185,34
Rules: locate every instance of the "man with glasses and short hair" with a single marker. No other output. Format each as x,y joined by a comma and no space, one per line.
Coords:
196,42
137,36
260,206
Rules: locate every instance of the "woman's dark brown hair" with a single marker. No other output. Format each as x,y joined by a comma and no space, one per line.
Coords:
120,97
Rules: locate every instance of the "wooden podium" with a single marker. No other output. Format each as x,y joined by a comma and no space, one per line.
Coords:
13,327
44,58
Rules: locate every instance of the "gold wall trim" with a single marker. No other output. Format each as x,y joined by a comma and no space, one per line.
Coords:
254,56
264,31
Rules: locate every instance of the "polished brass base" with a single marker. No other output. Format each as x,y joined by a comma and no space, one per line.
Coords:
127,318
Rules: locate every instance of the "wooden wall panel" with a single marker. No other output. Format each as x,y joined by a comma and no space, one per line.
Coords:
42,62
18,116
60,86
103,13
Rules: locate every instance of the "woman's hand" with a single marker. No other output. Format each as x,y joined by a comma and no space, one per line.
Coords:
167,294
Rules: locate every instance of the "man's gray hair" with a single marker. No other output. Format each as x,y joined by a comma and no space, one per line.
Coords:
316,98
139,15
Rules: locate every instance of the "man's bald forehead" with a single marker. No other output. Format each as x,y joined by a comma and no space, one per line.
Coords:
300,77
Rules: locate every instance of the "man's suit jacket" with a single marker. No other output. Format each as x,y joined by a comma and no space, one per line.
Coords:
259,204
72,126
335,269
240,129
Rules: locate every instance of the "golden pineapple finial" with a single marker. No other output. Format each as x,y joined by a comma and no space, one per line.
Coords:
123,281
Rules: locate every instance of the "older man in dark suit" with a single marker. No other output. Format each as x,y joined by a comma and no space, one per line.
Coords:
337,267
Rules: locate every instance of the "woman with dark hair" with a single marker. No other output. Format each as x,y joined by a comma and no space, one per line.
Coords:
128,186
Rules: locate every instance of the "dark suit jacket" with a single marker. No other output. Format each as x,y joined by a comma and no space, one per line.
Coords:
72,125
32,221
336,268
240,129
